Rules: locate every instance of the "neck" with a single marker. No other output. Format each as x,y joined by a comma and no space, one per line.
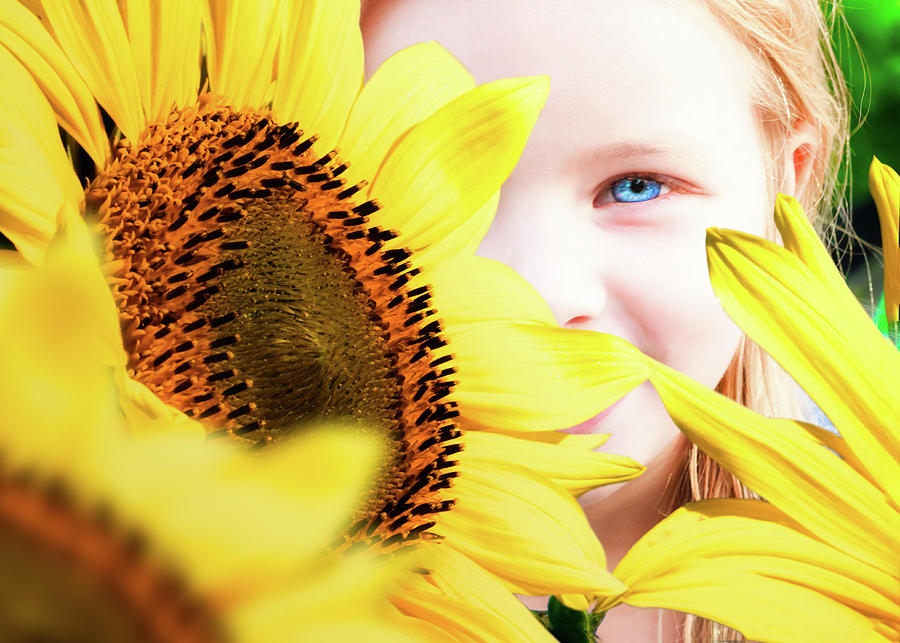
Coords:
620,520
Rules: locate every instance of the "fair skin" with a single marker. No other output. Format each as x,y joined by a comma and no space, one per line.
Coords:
648,138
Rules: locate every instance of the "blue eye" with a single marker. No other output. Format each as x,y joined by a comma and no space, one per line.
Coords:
635,190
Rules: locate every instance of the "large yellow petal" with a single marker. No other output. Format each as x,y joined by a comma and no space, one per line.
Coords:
320,67
742,563
518,370
165,45
526,530
575,468
884,184
93,36
72,102
407,88
788,467
242,37
446,168
825,340
531,377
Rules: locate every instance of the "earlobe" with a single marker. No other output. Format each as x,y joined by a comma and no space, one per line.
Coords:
800,152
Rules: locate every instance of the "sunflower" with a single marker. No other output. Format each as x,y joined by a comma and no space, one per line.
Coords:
818,560
110,536
290,247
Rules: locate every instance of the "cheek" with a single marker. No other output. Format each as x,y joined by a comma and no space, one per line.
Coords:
669,298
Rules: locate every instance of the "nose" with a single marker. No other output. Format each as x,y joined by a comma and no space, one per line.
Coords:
565,268
569,284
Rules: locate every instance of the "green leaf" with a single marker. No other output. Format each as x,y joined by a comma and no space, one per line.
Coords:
568,625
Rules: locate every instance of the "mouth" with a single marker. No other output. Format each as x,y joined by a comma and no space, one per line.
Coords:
592,425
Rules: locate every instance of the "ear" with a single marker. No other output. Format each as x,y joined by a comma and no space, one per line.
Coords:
800,150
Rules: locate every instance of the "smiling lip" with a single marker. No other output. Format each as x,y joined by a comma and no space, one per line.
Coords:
592,425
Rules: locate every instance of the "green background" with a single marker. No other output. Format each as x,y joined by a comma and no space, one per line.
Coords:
871,66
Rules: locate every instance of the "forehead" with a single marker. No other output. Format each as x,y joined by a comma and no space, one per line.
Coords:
648,68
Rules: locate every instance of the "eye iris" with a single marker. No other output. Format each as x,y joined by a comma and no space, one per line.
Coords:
631,190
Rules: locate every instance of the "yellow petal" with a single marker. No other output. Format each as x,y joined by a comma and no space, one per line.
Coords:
884,184
772,581
22,103
446,168
530,377
458,619
471,290
72,102
407,88
784,464
165,45
458,577
575,469
320,67
802,241
242,37
30,197
93,36
315,481
464,239
818,332
517,369
50,379
548,547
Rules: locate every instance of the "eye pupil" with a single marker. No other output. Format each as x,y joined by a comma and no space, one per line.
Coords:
636,190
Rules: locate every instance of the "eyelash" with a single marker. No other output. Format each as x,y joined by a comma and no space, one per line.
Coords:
667,185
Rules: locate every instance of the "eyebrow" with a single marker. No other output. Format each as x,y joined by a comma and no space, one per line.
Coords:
624,150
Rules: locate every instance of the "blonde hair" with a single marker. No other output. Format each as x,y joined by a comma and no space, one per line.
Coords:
797,79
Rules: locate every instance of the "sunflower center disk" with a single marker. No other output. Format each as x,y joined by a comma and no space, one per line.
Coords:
256,296
72,577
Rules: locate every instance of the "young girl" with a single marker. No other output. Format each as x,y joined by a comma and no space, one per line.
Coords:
664,119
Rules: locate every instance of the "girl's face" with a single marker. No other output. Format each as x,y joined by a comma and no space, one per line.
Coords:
647,139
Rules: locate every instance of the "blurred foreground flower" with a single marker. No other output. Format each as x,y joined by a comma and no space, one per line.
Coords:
818,560
263,280
107,536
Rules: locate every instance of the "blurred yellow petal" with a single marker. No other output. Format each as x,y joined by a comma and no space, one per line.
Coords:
884,184
165,45
204,478
71,100
408,87
242,37
446,168
320,67
50,381
93,36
